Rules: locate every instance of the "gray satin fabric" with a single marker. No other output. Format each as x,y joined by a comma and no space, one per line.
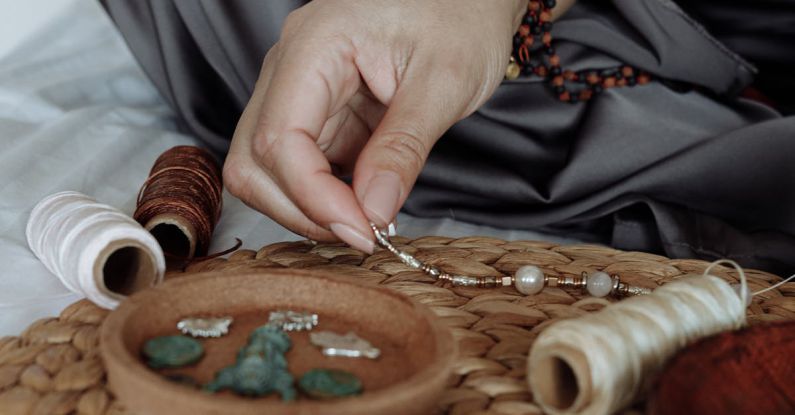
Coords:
203,55
761,30
680,166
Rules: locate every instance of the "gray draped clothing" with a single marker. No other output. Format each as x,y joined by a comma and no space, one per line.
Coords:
681,166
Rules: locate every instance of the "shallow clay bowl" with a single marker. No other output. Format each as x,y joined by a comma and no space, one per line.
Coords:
417,351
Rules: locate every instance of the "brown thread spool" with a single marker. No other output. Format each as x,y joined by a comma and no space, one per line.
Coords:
180,202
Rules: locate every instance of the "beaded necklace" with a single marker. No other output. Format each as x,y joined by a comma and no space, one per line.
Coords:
537,25
528,279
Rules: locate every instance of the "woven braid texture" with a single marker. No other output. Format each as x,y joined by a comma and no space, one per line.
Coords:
54,367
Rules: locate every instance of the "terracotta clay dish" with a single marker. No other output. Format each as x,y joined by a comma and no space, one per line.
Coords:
417,352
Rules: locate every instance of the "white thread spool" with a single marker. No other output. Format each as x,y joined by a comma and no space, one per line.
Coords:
600,362
94,249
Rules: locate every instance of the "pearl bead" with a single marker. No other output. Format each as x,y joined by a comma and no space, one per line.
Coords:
529,280
599,284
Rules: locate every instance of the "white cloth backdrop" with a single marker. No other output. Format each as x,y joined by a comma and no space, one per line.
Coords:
77,113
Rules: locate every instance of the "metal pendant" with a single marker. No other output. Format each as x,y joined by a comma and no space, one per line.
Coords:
348,345
260,368
205,327
293,320
329,384
172,351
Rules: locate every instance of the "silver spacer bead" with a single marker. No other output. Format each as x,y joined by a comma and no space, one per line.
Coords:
464,281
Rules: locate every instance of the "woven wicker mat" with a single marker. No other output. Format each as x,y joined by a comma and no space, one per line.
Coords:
54,367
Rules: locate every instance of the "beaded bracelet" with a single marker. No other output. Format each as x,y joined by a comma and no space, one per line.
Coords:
528,279
537,25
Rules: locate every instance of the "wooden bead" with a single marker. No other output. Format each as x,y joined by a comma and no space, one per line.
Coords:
545,16
524,54
537,23
627,71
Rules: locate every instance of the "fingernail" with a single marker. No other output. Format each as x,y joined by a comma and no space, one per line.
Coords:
353,237
381,198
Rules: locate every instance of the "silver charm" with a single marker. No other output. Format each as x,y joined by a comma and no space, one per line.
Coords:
349,345
205,327
293,320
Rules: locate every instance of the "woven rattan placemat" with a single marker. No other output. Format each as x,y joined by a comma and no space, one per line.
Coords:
54,366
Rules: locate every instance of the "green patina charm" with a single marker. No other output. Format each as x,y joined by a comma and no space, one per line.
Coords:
261,367
172,351
329,383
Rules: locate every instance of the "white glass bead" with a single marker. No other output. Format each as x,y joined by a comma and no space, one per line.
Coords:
529,280
599,284
737,288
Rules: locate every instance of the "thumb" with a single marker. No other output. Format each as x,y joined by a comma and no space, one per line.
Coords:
386,169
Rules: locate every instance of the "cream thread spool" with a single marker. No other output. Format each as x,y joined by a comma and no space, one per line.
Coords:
94,249
601,362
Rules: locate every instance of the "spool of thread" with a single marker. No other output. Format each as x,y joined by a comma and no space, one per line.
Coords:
749,372
180,203
601,362
94,249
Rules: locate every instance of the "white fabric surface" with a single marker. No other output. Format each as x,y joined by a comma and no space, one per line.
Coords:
77,113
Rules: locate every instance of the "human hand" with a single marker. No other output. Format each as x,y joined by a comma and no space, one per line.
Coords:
367,87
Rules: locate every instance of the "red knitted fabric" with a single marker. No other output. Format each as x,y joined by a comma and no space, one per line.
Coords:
747,372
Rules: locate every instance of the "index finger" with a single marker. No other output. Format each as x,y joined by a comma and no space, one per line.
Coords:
308,86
